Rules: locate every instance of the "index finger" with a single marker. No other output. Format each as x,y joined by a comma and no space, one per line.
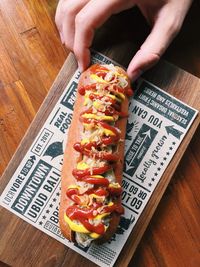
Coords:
92,16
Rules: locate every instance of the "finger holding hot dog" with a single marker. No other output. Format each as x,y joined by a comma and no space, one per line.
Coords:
77,21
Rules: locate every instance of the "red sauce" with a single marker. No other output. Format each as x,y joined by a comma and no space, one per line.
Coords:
95,181
75,213
97,69
93,96
103,190
109,111
82,89
85,208
95,171
96,154
99,229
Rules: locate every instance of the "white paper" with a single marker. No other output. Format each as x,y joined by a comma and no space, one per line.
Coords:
156,127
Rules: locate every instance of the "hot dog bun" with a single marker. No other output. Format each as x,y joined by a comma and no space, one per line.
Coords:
101,108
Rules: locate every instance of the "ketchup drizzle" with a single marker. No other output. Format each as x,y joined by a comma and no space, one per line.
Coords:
87,205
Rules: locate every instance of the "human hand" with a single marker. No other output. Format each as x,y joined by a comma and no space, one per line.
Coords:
77,21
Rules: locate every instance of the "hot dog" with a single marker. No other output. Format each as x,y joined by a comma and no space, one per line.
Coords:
90,204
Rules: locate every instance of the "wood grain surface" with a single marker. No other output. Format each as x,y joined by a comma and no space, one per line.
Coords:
30,57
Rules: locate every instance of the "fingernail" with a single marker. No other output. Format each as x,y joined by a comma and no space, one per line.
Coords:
61,38
135,74
80,66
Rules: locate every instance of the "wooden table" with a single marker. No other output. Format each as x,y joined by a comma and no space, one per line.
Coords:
32,55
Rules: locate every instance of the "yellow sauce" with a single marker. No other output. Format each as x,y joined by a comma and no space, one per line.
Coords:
96,117
82,166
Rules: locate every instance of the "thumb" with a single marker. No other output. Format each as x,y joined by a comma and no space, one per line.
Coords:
142,61
153,47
